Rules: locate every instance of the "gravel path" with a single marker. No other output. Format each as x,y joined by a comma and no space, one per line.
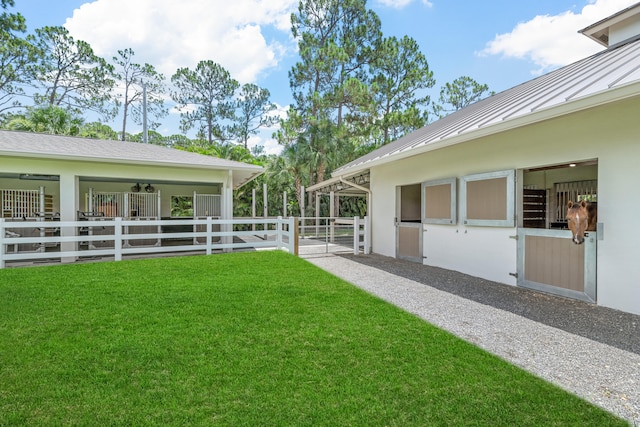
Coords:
528,329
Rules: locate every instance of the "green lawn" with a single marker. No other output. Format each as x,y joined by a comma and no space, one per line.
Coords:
255,339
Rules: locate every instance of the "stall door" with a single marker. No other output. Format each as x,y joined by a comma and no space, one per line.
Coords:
408,223
549,261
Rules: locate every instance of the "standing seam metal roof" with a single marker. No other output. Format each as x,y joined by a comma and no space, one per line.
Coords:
606,70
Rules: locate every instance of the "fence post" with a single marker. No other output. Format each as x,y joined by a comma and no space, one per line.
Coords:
117,231
293,235
253,209
367,236
2,245
279,233
209,238
356,235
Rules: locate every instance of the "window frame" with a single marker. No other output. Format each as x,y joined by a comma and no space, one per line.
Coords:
452,219
510,217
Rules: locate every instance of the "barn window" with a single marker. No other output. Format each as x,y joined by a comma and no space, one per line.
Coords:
439,201
488,199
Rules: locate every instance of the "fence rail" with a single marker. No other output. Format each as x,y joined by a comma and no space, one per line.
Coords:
66,239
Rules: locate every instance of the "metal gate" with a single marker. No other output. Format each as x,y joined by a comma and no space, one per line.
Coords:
333,235
549,261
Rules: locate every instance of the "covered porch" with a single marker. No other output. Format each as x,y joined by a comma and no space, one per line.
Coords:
328,197
52,179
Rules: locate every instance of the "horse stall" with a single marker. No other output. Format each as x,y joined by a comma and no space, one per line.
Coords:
28,205
548,258
144,206
408,223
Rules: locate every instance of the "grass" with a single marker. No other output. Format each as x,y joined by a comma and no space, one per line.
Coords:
244,339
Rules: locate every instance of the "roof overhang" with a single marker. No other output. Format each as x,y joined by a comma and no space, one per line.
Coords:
579,104
600,31
346,185
242,173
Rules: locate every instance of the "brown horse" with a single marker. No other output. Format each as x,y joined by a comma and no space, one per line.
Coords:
581,217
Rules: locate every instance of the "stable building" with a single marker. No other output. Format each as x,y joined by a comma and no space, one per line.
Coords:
485,190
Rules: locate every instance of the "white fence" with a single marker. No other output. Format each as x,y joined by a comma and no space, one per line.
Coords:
65,240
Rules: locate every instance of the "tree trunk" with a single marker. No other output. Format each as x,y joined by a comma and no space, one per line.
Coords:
125,110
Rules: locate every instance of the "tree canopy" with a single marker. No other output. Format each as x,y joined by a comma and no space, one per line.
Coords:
354,90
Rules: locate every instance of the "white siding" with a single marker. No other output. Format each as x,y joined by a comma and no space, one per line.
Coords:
608,133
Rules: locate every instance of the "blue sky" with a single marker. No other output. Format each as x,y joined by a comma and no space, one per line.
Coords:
498,42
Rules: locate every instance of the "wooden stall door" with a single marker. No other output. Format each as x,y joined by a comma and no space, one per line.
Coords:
408,222
549,261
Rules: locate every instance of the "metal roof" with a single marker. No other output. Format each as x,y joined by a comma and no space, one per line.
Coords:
27,144
604,77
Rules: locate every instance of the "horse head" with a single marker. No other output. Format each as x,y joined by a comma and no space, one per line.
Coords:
580,218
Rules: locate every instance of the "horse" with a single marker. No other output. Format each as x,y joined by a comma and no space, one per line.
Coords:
581,217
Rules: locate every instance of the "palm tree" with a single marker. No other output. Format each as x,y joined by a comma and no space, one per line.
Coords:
52,120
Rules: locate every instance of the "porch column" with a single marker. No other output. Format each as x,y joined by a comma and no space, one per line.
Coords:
317,214
69,203
302,221
332,214
264,208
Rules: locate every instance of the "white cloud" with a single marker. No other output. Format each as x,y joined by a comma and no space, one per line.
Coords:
270,145
265,136
550,41
399,4
169,34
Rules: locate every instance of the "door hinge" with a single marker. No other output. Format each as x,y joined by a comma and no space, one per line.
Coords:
514,275
514,237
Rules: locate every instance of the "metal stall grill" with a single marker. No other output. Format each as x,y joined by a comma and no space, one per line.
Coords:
20,203
574,191
124,205
205,205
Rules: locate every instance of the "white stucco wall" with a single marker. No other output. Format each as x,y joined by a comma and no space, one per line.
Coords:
610,134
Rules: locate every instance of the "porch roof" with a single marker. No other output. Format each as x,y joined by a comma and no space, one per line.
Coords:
350,185
35,145
606,77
